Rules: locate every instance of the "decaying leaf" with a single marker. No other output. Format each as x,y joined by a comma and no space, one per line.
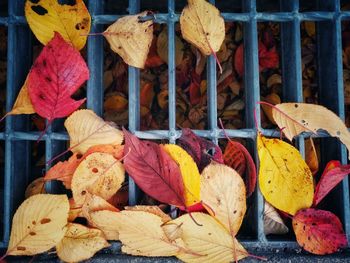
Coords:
273,223
189,172
150,209
74,210
99,174
80,243
162,47
209,242
72,21
296,118
274,99
153,170
38,224
203,26
332,175
311,158
56,74
86,129
104,220
285,180
35,187
131,39
319,232
223,194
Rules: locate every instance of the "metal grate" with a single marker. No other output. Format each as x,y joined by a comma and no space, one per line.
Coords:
329,17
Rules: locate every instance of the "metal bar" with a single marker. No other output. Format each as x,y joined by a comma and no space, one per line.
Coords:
134,105
252,90
171,72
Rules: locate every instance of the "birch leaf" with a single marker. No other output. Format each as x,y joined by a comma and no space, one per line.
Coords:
203,26
86,129
296,118
285,180
223,194
38,224
80,243
72,20
131,39
209,242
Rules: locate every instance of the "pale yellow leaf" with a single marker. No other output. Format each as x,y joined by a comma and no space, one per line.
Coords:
296,118
131,39
99,174
35,187
80,243
38,224
209,242
273,223
203,26
72,21
162,47
223,194
189,172
285,180
103,220
86,129
150,209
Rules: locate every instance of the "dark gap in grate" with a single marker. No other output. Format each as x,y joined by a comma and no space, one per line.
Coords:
344,5
2,176
267,5
308,5
346,68
113,7
3,74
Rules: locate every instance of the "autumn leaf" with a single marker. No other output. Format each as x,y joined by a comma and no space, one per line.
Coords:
72,20
332,175
296,118
189,172
99,174
56,74
203,26
86,129
35,187
150,209
273,99
153,170
22,105
238,158
319,232
311,158
209,241
201,150
103,220
38,224
224,195
285,180
131,39
80,243
273,223
75,210
153,59
162,47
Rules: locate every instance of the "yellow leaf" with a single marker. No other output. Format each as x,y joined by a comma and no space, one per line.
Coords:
72,21
74,210
80,243
203,26
223,194
162,47
285,180
99,174
23,104
35,187
189,172
131,39
103,220
86,129
38,224
299,117
209,242
150,209
311,158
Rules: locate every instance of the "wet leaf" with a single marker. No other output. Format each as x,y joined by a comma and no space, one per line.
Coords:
319,232
72,21
285,180
80,243
38,224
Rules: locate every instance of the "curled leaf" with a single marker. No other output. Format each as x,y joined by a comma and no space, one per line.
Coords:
319,232
311,155
273,223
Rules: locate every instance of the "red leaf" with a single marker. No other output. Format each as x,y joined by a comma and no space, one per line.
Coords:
319,232
201,150
237,157
332,175
56,74
238,60
153,60
153,170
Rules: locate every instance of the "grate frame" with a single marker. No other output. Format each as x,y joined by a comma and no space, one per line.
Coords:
329,57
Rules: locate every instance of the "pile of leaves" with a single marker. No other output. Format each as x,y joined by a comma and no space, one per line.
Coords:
205,188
